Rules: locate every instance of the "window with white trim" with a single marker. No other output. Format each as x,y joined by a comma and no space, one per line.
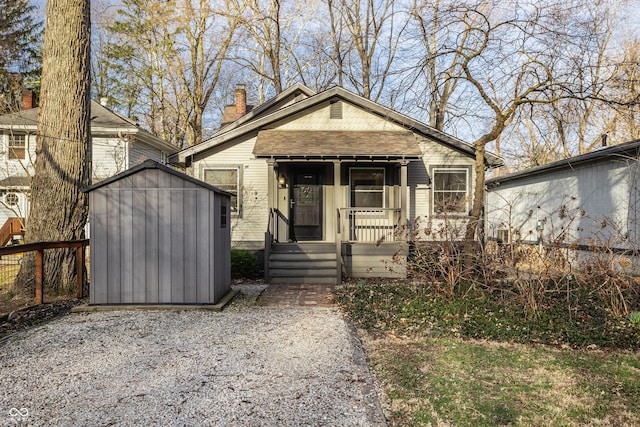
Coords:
366,186
227,179
17,146
450,190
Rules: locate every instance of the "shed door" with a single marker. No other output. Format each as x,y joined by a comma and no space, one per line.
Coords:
306,206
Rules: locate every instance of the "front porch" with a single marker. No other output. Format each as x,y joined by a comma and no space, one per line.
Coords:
315,234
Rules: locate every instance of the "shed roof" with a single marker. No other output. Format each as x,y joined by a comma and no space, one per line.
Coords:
619,151
152,164
319,144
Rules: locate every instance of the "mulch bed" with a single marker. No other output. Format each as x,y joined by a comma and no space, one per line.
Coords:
36,315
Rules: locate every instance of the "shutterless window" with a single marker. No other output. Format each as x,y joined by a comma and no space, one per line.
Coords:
228,180
367,187
450,190
17,147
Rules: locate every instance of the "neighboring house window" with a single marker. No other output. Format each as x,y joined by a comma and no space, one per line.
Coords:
450,190
17,146
11,199
227,179
366,187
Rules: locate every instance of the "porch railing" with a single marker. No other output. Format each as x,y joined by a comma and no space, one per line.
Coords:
369,224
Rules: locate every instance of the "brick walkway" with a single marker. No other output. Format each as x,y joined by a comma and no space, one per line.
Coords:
297,295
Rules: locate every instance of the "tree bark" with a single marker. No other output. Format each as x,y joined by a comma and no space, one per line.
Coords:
58,206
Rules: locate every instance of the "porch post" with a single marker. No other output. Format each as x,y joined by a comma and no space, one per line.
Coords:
271,182
337,203
403,197
271,200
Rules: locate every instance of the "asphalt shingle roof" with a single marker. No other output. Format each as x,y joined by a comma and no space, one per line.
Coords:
274,143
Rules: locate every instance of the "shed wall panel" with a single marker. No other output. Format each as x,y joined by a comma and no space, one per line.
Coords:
190,242
139,235
165,247
177,241
126,242
113,243
152,234
99,247
204,260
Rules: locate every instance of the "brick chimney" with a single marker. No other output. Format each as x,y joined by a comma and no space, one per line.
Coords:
28,99
241,100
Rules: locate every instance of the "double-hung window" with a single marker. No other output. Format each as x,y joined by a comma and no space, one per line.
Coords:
17,146
450,190
367,187
227,179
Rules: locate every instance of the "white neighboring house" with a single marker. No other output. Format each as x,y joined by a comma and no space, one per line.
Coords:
117,143
589,202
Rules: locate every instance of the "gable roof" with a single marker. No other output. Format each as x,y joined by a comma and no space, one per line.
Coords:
258,122
152,164
103,121
623,151
287,95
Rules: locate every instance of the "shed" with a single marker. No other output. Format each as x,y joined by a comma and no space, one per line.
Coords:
158,236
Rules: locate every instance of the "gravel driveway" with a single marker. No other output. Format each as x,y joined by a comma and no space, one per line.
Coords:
247,366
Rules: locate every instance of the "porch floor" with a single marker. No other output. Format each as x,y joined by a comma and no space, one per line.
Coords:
297,295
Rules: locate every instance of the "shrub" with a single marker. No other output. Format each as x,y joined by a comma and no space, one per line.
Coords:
244,264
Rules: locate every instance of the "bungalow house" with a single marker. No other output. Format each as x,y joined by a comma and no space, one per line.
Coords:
117,143
587,202
324,182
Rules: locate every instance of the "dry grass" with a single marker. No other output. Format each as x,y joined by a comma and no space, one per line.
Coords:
444,382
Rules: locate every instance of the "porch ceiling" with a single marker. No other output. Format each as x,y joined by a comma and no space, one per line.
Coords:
337,144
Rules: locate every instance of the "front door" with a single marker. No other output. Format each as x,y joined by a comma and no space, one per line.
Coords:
306,205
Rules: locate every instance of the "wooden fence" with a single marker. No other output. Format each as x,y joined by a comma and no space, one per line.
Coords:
39,248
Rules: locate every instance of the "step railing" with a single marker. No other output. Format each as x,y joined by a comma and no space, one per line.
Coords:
13,226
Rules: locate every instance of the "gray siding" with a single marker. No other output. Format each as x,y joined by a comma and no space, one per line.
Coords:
157,240
573,202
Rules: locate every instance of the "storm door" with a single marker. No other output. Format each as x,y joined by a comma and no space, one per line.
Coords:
306,205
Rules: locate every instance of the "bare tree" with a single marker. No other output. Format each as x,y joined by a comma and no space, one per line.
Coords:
366,35
58,206
168,58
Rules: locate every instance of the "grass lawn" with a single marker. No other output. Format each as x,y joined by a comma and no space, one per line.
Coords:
450,381
478,361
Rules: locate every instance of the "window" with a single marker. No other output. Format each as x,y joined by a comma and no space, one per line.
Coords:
367,187
226,179
450,190
17,146
11,199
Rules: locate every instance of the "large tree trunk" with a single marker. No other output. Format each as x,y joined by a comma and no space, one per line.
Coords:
58,207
